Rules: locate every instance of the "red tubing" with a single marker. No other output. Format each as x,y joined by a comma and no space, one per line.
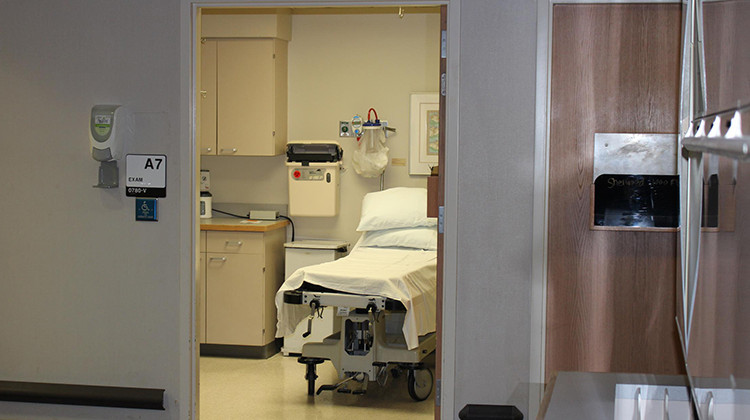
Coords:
375,112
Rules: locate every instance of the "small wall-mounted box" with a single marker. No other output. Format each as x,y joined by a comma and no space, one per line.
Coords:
314,180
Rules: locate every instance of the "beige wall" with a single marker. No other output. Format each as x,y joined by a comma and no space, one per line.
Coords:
341,65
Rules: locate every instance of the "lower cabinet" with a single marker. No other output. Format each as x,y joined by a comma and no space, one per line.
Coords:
243,271
234,299
200,291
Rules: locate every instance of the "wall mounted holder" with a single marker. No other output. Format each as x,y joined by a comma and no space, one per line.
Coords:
109,175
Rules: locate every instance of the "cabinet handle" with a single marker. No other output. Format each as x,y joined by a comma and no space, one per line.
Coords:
207,149
203,94
232,150
222,259
638,404
233,243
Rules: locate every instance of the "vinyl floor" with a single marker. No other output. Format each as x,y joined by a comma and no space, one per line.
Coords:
276,389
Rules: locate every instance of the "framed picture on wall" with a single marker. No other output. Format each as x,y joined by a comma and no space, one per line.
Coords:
423,133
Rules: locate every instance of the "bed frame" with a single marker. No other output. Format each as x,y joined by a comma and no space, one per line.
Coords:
362,350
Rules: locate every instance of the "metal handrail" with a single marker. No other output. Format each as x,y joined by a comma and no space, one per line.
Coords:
735,148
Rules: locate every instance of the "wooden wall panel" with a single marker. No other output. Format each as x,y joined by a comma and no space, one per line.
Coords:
611,294
720,337
727,54
740,337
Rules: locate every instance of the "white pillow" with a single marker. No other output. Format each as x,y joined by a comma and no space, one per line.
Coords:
399,207
422,237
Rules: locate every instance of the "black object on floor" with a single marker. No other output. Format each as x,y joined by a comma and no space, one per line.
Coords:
490,412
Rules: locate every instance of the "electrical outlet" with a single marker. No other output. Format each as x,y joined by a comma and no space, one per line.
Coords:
345,129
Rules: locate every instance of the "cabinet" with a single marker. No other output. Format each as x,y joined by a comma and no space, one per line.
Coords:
243,271
243,96
200,291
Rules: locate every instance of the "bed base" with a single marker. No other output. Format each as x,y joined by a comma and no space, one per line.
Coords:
362,350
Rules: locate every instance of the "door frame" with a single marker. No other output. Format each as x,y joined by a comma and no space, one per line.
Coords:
190,226
540,212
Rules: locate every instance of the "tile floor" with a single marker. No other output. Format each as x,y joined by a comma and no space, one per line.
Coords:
276,389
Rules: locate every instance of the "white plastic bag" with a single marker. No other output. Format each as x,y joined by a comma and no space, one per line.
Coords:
371,156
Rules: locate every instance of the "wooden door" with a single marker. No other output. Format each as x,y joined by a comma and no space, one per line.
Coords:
611,295
441,203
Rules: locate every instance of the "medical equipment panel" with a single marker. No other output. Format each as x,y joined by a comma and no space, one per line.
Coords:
314,182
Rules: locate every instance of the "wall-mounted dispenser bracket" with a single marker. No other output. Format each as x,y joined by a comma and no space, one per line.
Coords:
387,129
109,175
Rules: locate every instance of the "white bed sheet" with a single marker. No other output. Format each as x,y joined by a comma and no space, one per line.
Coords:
406,275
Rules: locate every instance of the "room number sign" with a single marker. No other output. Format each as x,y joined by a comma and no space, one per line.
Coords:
146,176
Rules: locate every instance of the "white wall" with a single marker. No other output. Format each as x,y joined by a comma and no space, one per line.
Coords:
495,186
341,64
88,295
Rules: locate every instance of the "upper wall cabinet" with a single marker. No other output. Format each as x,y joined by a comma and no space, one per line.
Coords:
243,85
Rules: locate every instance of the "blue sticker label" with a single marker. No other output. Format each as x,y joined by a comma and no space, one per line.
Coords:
145,209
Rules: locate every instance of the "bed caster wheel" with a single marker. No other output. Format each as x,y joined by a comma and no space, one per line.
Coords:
310,373
419,383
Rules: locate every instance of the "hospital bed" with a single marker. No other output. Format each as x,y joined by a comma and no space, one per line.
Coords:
383,295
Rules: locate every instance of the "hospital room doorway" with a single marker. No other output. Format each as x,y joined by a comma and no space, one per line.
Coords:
329,69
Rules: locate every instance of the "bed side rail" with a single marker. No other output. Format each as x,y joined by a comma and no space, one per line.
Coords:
303,297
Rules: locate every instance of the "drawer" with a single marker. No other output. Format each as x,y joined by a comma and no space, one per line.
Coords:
235,242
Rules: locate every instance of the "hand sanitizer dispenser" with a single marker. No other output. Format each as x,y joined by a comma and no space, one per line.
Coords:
110,127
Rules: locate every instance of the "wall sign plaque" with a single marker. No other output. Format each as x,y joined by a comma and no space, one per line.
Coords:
645,201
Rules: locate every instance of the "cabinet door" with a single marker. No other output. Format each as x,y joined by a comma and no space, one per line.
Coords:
207,98
246,97
235,242
234,299
200,291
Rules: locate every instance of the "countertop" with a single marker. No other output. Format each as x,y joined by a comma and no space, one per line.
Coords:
241,225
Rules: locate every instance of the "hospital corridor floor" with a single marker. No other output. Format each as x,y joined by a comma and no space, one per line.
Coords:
238,389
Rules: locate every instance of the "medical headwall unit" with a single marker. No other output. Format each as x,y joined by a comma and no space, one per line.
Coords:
314,182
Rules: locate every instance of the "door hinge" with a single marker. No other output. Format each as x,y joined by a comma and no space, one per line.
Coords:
437,392
441,219
443,44
442,84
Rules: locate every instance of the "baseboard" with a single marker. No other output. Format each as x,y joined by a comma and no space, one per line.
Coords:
243,352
